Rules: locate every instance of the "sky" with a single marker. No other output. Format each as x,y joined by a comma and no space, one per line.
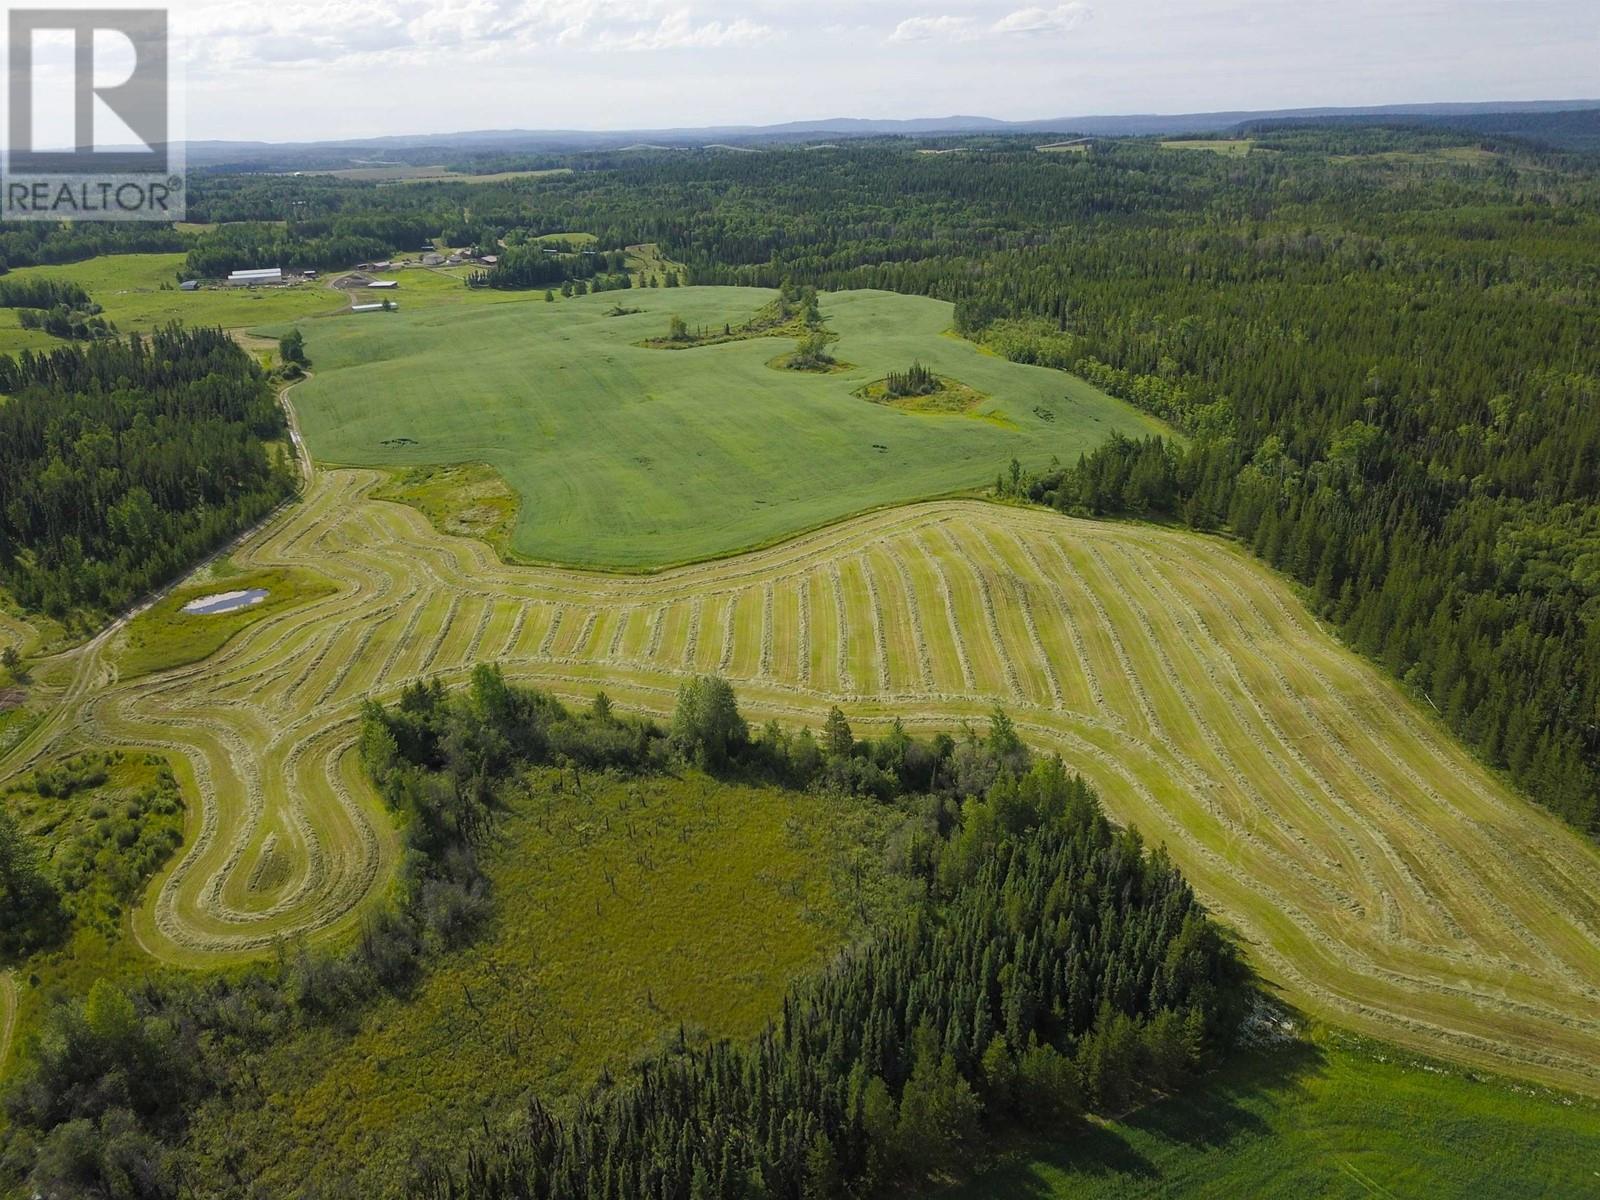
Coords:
280,70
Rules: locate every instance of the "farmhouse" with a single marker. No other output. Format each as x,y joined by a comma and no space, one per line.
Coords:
263,277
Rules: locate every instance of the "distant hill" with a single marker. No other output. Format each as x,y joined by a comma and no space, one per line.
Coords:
1568,123
1571,129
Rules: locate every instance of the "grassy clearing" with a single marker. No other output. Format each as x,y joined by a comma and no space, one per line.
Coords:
1377,873
140,292
646,260
634,458
622,914
1460,156
102,841
1227,147
399,173
1339,1118
471,500
164,636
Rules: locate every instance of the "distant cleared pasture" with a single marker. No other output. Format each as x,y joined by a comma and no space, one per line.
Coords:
634,458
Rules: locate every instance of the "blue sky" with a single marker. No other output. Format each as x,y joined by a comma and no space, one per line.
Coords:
314,69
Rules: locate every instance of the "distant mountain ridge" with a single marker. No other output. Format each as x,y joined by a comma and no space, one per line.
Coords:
202,153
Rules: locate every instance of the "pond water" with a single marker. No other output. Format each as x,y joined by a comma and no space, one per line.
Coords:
223,602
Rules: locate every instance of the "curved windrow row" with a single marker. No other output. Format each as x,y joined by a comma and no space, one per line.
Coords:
1378,873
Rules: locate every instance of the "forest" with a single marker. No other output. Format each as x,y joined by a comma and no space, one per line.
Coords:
1054,967
1385,360
122,462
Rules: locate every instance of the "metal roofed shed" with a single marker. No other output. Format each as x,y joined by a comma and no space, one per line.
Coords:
256,278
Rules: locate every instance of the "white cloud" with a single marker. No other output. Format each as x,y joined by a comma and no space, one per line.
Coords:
678,30
1037,21
233,35
942,28
1031,22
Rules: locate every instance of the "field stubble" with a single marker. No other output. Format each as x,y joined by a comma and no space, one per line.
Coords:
1379,875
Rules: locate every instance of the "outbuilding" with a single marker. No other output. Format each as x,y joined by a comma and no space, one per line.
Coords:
263,277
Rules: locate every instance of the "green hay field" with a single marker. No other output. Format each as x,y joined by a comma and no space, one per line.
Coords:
637,458
139,292
1340,1117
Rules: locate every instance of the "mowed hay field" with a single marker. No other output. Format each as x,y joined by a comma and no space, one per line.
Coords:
631,458
1377,874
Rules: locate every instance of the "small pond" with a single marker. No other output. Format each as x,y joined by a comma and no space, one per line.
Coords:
223,602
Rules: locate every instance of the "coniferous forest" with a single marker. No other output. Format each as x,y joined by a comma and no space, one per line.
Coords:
122,462
1053,967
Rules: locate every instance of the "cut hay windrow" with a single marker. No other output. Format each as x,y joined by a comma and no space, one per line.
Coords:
1375,871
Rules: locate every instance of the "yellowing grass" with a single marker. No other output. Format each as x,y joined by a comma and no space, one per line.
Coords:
1376,872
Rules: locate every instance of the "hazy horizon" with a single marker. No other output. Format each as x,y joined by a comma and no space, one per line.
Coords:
312,70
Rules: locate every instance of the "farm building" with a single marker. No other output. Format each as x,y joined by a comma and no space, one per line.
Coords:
263,277
384,284
490,260
387,306
433,260
189,285
355,279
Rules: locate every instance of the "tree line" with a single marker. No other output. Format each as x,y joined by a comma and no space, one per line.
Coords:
1054,968
123,461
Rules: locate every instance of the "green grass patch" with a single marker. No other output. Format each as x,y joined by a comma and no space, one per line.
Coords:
1227,147
950,398
1456,156
644,260
402,173
1336,1117
468,500
770,320
622,913
139,292
630,458
164,636
112,820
